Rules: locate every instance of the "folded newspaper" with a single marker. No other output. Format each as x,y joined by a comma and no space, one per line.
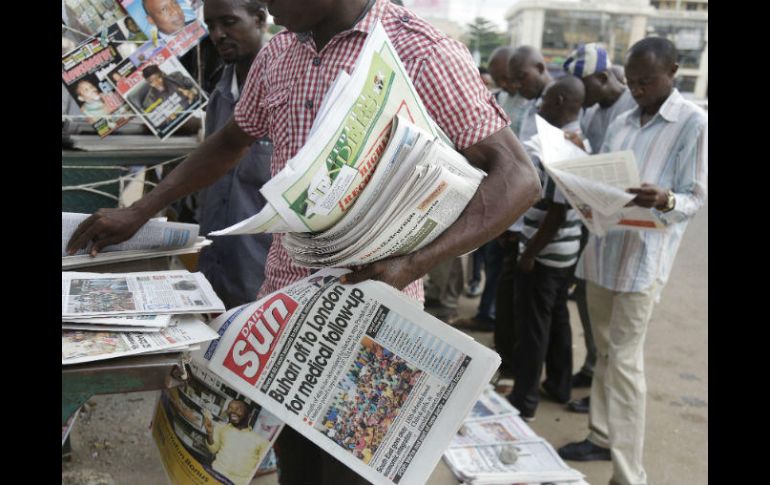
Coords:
359,370
79,346
594,185
208,433
375,162
142,293
158,237
495,446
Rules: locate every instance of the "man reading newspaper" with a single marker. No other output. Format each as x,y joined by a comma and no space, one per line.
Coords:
280,99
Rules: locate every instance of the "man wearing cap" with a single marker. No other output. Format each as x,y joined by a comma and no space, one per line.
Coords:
625,270
606,98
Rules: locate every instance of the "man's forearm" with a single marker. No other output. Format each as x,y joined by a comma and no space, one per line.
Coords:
509,189
204,166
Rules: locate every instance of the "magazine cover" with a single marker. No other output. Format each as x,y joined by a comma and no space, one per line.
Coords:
84,72
208,433
158,88
171,22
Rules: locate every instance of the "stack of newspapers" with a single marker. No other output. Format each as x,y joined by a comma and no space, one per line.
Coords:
158,237
108,315
376,176
495,446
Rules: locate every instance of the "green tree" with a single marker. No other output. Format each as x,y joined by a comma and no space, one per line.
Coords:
482,37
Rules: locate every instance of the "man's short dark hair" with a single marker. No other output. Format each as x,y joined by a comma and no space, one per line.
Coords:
663,49
254,7
150,70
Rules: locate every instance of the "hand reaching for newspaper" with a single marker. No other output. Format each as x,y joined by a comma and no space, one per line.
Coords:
106,227
398,272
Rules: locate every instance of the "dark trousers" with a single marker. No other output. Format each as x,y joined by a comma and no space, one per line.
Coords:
493,264
543,336
300,462
504,336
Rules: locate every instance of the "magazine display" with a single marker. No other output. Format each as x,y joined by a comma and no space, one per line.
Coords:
359,370
174,23
158,88
208,433
141,293
84,73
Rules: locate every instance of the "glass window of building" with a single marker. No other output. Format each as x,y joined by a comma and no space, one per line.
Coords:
689,37
563,31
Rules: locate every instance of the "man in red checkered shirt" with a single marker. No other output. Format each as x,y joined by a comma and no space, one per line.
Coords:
280,99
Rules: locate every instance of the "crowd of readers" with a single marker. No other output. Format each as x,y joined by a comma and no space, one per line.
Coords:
532,238
374,391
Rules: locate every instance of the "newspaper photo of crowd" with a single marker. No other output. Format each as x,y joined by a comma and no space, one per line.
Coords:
371,395
100,295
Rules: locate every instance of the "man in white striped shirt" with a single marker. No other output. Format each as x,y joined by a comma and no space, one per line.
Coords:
549,246
626,269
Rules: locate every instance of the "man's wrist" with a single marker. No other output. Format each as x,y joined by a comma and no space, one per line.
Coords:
669,203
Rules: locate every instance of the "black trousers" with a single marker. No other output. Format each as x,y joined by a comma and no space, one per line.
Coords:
543,336
504,335
301,462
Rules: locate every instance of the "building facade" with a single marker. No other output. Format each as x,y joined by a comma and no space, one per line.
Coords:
557,27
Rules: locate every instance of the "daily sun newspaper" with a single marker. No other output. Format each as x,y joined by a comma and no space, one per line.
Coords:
208,433
359,370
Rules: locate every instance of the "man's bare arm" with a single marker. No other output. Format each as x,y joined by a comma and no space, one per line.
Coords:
509,189
204,166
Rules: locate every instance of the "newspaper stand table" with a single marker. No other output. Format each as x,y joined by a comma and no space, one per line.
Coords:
124,374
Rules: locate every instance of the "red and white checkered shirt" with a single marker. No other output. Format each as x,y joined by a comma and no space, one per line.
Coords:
289,78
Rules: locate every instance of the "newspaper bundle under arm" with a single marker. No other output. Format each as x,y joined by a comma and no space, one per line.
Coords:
357,369
321,182
594,185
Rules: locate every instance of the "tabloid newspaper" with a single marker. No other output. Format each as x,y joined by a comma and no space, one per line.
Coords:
208,433
84,73
91,16
141,293
594,185
359,370
376,177
158,88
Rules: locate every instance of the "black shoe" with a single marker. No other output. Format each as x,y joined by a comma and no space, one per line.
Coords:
524,413
579,405
553,395
584,451
581,380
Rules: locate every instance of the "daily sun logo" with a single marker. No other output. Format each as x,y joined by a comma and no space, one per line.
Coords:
256,340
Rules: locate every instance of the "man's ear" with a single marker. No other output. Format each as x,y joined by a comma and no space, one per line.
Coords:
261,19
150,20
602,77
540,67
674,69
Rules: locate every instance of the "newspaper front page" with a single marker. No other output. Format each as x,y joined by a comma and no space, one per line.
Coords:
359,370
141,293
80,346
208,433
